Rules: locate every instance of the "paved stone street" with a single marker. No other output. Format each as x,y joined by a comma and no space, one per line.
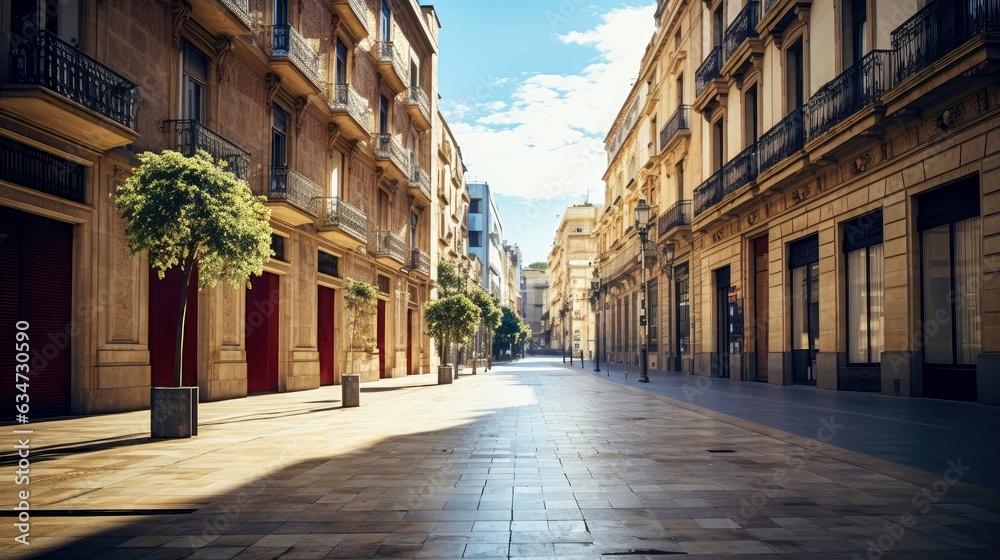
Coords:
530,460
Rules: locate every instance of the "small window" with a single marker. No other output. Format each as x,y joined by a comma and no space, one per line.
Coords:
474,206
383,284
193,87
278,247
475,239
329,264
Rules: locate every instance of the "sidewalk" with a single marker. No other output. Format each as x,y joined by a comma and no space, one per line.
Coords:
530,460
919,433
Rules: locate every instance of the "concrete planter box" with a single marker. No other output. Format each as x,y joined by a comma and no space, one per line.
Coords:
350,390
445,375
173,412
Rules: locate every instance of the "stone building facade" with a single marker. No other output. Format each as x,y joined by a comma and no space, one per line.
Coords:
323,107
829,203
571,269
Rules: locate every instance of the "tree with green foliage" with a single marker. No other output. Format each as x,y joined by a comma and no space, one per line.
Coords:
489,315
540,265
452,317
450,279
190,212
512,330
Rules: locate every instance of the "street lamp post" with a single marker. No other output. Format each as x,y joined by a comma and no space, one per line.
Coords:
595,287
642,227
562,323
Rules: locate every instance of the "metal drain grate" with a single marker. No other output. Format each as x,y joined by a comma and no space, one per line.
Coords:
721,450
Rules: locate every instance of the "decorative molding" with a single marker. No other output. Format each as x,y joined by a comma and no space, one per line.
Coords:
800,194
181,13
334,131
224,53
271,82
300,112
753,216
719,234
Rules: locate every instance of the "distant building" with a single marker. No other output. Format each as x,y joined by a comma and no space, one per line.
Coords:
485,237
571,269
535,286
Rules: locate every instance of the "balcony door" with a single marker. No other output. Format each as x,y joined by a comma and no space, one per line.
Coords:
385,23
340,68
279,137
383,114
280,12
193,83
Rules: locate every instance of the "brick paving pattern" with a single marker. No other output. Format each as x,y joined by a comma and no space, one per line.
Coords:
530,460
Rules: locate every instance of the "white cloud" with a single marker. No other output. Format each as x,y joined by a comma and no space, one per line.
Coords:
546,140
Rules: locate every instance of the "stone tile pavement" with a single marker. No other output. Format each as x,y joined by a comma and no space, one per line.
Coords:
530,460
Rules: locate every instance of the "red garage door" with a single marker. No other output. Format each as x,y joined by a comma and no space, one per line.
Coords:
325,335
36,287
164,299
262,334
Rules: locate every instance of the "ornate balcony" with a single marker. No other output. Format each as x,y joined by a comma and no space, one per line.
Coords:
742,31
676,216
388,150
390,249
58,87
708,71
859,86
781,141
742,28
739,171
420,184
290,196
350,112
340,222
708,194
354,16
392,65
708,82
623,261
420,262
419,107
679,121
191,136
223,17
937,29
293,60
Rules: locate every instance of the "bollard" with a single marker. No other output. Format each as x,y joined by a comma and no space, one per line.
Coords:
350,390
581,359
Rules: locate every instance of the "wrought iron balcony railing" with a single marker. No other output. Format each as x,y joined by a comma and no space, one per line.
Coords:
857,87
389,244
287,43
420,180
739,171
768,4
419,99
345,98
335,213
420,262
708,194
680,120
54,64
708,71
937,28
240,9
293,187
387,147
677,215
742,28
781,141
360,9
389,52
191,136
627,258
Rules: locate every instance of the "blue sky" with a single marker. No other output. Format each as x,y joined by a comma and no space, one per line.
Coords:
530,89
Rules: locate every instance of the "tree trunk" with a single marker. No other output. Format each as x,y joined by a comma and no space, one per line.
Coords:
475,352
182,312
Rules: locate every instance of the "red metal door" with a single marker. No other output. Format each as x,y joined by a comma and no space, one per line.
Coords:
36,287
409,342
325,335
261,328
381,339
164,298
